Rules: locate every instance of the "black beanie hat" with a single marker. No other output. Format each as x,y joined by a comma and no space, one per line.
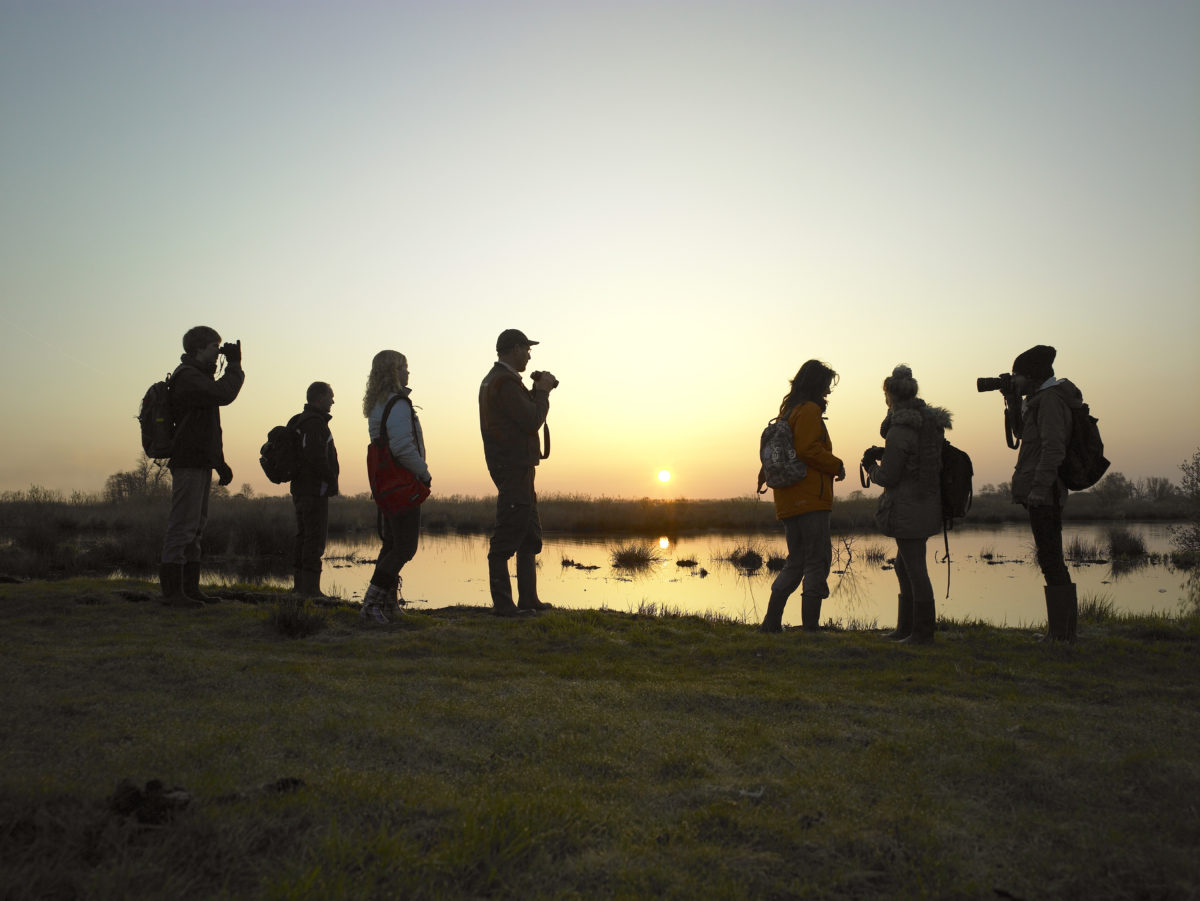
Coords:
1037,363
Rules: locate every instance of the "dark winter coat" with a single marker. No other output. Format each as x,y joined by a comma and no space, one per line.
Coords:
196,400
319,469
910,471
510,416
1045,429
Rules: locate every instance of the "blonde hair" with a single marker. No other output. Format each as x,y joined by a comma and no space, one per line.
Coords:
384,379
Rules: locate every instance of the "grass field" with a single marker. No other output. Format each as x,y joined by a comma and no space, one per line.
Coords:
585,754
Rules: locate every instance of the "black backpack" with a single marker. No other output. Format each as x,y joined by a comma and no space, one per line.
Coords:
156,420
279,457
957,494
1084,463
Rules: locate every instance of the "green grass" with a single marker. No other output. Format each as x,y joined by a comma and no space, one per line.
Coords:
588,754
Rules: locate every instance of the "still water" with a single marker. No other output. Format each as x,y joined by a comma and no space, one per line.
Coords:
1003,589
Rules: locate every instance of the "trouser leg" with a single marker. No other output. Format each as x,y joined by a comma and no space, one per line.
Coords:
911,553
189,512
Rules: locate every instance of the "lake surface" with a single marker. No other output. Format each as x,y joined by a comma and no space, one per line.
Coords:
1004,590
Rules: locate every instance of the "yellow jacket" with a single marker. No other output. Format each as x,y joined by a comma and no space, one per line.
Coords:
811,440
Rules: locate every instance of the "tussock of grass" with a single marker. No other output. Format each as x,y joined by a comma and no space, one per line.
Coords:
1080,550
1124,543
746,556
294,617
875,554
633,556
587,754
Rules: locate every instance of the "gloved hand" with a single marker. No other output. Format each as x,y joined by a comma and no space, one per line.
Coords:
1038,497
232,352
224,473
841,476
871,456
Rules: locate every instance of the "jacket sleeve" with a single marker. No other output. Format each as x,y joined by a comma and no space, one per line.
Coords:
809,438
403,442
526,410
1054,429
319,456
898,447
193,389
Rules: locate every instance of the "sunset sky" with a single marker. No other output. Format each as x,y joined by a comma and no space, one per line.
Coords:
682,201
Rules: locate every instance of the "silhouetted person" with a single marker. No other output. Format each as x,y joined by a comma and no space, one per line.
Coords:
804,508
402,530
315,482
510,416
1046,420
910,509
197,396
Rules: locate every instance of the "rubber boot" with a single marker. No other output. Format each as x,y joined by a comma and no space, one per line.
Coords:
527,595
904,619
810,612
170,578
501,588
191,584
1072,612
1062,612
297,582
924,622
308,584
773,621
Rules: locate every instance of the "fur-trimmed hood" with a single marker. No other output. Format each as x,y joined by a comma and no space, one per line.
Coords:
913,414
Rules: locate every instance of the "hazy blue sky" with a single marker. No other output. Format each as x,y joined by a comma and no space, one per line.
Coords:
682,201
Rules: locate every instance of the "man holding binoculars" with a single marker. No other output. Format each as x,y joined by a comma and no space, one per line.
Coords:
197,396
510,416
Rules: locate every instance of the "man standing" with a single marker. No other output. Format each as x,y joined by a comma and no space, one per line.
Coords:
315,482
510,416
1045,430
197,396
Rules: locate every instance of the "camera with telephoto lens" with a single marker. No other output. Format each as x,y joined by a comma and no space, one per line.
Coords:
537,374
1002,383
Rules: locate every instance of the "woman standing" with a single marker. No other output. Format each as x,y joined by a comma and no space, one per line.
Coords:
389,378
804,507
910,509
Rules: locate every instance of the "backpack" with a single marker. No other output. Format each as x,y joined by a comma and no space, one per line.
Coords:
280,456
156,420
1084,463
955,483
777,454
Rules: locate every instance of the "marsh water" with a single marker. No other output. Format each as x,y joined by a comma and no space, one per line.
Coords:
992,571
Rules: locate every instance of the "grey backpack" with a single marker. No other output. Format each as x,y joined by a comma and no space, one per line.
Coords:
780,465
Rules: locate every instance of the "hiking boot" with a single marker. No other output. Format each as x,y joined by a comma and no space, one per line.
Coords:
373,604
510,611
191,584
170,577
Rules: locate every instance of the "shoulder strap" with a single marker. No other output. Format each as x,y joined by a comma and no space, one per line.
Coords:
387,409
